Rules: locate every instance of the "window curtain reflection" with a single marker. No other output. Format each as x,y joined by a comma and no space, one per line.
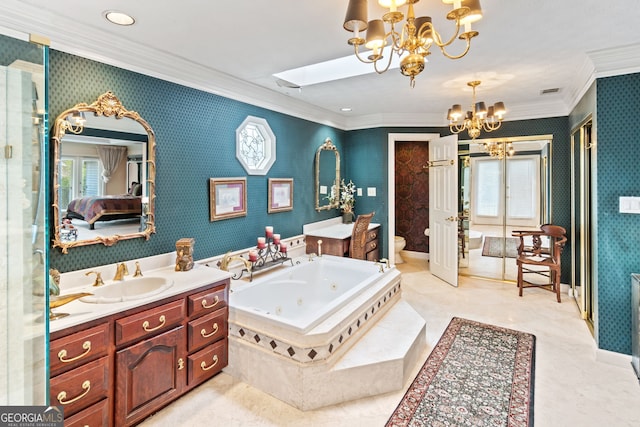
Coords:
110,158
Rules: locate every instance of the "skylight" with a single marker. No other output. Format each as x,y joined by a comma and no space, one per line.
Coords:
335,69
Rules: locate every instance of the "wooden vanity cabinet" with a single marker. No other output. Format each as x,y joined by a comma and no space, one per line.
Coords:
138,361
340,246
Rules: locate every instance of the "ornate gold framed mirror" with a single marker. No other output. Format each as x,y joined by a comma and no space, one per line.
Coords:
327,176
103,175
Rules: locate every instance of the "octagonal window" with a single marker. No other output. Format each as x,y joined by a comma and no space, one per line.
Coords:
255,145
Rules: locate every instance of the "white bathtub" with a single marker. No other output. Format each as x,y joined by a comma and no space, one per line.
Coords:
301,297
317,333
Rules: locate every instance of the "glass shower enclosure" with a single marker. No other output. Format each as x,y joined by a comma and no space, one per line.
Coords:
23,232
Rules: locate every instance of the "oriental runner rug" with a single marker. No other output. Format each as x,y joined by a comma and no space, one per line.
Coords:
476,375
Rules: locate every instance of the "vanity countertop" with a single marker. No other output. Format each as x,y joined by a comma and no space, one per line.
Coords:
183,281
336,231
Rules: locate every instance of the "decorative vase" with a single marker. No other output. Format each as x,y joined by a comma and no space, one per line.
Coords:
347,217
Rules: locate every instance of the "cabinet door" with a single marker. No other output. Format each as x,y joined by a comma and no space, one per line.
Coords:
149,375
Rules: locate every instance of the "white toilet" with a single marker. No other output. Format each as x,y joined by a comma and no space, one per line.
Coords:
398,244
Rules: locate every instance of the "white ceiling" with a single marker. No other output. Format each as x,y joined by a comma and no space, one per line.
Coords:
233,48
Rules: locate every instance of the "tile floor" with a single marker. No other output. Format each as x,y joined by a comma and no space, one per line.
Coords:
571,387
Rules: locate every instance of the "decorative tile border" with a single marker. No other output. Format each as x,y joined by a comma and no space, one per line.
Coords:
314,354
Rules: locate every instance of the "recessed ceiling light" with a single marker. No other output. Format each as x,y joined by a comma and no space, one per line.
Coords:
345,109
118,18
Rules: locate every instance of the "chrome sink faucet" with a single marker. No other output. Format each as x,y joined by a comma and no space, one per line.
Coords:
121,271
320,248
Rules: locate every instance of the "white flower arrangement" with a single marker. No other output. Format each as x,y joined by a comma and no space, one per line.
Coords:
347,196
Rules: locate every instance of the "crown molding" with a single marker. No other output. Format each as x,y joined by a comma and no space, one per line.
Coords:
616,61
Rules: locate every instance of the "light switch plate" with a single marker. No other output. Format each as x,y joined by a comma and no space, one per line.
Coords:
359,192
371,191
630,205
323,189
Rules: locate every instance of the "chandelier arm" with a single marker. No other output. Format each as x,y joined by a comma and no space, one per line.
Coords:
456,128
456,56
437,38
360,58
375,63
490,127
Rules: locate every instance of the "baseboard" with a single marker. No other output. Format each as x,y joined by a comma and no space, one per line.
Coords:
414,255
613,358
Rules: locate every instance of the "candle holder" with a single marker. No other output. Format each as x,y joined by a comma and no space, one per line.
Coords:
266,255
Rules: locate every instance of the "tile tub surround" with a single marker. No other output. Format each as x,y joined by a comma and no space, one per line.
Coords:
367,347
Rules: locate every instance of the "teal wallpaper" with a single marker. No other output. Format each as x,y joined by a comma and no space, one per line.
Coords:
195,134
618,234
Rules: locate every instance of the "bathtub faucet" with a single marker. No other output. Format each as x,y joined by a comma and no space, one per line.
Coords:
380,267
228,259
385,260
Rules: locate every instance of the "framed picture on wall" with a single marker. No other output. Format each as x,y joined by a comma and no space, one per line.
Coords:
228,198
280,194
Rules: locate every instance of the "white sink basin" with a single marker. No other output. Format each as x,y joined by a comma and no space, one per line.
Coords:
127,290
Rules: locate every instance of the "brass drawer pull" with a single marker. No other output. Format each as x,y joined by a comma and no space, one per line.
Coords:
146,327
63,394
373,246
62,354
216,300
180,364
204,366
204,334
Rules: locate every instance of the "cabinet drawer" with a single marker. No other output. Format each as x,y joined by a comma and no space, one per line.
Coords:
78,348
209,300
206,363
81,387
148,322
207,329
374,255
96,415
370,246
372,234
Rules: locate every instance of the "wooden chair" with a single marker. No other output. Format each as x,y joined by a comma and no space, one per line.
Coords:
539,255
359,236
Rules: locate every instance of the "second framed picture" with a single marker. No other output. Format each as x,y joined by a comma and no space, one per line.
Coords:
280,195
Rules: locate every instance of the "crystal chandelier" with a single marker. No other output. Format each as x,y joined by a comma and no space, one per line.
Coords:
479,118
498,149
415,37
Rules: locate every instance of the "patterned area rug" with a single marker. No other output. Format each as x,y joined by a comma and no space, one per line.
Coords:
477,375
493,246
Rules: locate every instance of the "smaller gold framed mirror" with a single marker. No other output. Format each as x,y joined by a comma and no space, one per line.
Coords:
327,176
103,175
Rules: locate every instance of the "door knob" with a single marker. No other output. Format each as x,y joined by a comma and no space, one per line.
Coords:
452,218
